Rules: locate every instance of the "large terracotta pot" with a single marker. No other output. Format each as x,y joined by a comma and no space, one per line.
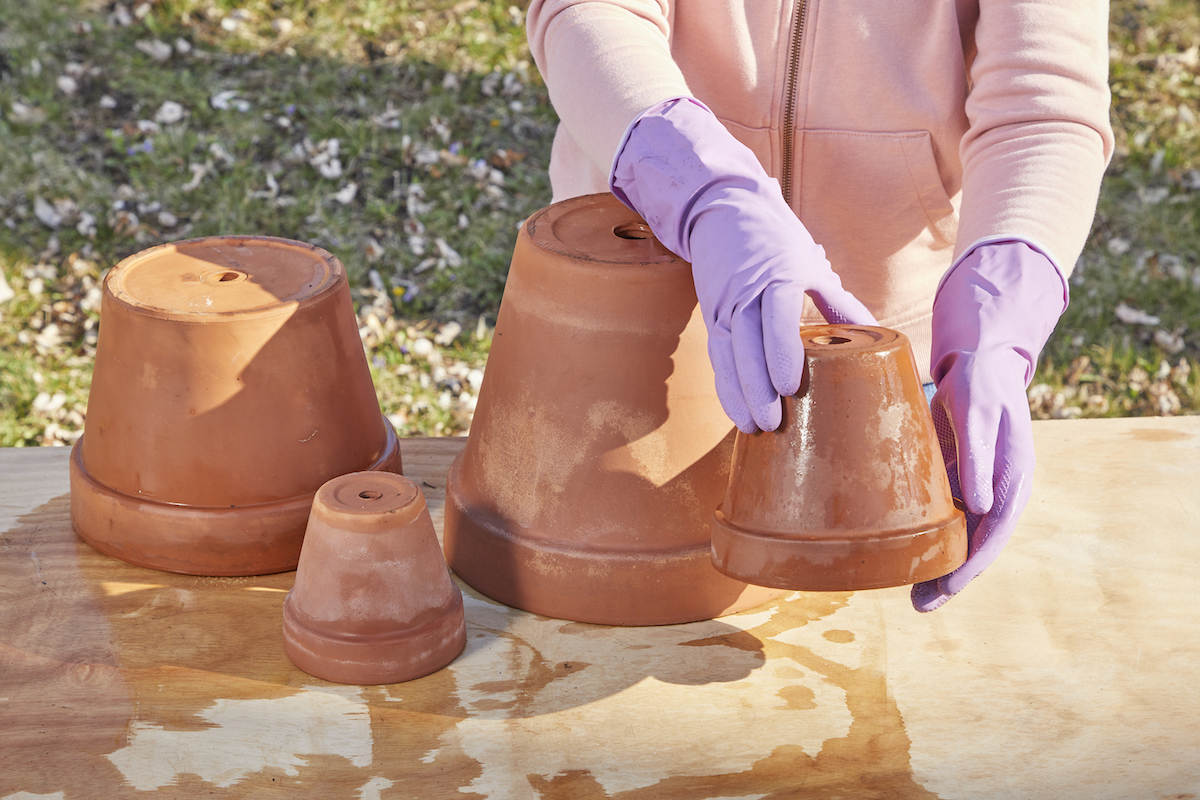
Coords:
598,448
229,384
373,601
850,492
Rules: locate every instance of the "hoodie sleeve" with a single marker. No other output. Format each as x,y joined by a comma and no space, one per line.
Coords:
604,62
1039,137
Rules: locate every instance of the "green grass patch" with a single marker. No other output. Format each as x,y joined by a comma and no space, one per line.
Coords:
410,139
1127,343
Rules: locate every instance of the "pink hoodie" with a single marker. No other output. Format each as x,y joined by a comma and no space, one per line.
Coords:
918,128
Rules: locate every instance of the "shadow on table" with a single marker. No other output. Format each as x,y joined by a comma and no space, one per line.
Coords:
102,655
76,605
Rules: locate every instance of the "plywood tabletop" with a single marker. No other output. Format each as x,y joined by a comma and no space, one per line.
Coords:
1071,669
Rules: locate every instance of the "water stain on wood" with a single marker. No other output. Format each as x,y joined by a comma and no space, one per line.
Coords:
131,656
1159,435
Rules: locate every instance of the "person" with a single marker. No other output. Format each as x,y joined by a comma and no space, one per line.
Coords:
929,166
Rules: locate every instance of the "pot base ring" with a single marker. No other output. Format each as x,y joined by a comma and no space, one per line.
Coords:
839,563
604,587
257,539
369,661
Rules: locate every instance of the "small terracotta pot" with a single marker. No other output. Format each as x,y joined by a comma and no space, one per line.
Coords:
850,492
598,447
373,601
229,384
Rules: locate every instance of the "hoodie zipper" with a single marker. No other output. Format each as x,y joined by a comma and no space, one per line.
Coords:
789,103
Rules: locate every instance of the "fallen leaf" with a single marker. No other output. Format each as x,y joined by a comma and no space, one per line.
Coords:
23,114
169,113
228,100
198,173
448,333
46,213
155,48
1134,316
1170,342
86,225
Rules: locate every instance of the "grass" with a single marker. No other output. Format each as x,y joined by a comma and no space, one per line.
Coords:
410,138
1143,253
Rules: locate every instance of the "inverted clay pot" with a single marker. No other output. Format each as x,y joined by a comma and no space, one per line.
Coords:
850,492
598,447
229,384
373,601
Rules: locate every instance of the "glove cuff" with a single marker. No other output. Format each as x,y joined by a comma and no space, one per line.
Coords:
1032,244
674,156
658,109
1004,295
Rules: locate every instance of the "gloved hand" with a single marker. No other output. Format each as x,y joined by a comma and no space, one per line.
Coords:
710,202
992,315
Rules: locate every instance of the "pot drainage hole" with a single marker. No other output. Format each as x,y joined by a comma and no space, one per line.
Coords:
634,230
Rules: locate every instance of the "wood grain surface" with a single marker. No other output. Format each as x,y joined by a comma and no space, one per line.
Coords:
1071,669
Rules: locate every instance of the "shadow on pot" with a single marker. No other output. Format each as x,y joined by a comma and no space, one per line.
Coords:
598,448
229,384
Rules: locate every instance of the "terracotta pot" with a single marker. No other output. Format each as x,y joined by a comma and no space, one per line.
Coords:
373,601
229,384
598,447
851,491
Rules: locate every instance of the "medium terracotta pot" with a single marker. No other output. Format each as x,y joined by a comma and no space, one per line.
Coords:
598,448
850,492
373,601
229,384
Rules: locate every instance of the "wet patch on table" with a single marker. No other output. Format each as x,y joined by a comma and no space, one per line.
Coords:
808,722
1159,435
181,683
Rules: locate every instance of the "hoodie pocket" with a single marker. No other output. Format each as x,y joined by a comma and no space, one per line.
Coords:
873,199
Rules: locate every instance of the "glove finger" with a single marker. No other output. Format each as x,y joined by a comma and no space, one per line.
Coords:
946,440
1013,472
931,595
838,306
751,361
987,535
782,307
928,596
977,431
729,388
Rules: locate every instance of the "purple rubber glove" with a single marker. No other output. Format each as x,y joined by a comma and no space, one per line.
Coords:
710,202
992,315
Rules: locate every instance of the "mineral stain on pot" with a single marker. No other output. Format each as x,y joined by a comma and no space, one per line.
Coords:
598,447
373,602
850,492
217,360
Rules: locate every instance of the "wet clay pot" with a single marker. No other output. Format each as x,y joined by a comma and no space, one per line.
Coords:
229,384
598,448
373,601
850,492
